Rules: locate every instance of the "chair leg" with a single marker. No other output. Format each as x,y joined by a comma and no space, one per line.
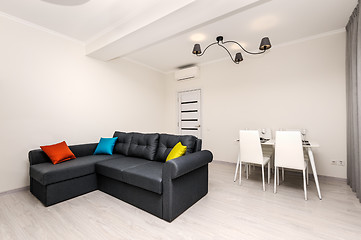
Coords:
283,174
240,172
247,170
278,176
275,182
269,172
304,183
264,187
237,166
307,175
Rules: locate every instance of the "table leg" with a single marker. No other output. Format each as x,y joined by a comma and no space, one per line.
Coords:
312,161
235,174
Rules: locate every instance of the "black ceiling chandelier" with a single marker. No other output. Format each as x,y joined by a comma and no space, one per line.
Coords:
265,44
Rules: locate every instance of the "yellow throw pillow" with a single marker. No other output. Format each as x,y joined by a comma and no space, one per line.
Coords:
177,151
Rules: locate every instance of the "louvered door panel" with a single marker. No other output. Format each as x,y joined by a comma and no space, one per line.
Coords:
189,122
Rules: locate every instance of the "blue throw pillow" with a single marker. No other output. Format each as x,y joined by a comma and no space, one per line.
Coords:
105,146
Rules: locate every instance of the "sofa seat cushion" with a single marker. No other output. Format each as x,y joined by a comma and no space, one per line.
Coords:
114,168
147,176
48,173
167,142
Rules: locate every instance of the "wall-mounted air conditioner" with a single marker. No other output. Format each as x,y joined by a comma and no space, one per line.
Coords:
187,73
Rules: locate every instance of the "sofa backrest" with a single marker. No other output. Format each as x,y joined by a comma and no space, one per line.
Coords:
198,146
168,141
39,156
153,146
123,142
143,145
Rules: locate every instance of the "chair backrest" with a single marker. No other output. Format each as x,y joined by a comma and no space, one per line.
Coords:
289,150
250,146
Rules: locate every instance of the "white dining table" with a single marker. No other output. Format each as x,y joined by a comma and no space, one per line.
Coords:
308,147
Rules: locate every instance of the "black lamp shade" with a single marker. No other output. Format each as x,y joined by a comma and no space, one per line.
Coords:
265,44
238,58
197,49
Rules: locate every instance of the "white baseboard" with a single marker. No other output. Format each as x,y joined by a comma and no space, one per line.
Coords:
15,190
310,172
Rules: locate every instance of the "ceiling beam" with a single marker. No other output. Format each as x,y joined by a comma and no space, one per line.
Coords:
169,22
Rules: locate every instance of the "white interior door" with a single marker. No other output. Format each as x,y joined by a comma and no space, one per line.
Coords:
189,113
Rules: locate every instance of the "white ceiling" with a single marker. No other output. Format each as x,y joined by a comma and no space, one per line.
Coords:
157,33
86,20
282,21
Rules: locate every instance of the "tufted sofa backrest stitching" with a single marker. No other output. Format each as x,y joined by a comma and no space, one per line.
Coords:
143,145
152,146
123,142
167,142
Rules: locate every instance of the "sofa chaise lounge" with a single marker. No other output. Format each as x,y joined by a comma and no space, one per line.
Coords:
136,173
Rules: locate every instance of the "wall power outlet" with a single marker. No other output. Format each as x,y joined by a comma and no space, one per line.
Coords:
340,163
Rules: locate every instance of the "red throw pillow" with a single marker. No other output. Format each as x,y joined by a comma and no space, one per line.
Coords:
59,152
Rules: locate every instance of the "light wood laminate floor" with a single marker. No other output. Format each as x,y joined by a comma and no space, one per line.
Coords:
229,211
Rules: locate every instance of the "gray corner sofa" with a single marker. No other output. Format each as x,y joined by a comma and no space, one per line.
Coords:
136,173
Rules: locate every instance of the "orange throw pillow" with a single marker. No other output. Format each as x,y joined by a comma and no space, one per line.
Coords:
59,152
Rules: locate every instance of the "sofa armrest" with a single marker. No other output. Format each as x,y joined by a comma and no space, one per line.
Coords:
185,181
38,156
179,166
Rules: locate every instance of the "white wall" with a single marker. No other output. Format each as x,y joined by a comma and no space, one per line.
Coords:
50,91
301,85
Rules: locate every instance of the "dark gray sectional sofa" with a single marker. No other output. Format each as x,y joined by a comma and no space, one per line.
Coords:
136,173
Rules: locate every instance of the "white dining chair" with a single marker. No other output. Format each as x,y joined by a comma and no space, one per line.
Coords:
289,154
250,152
305,154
